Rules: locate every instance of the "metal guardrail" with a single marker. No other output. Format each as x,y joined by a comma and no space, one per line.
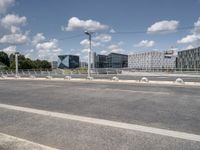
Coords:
119,74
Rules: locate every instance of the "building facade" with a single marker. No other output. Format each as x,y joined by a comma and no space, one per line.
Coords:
54,64
101,61
68,61
153,60
113,60
189,59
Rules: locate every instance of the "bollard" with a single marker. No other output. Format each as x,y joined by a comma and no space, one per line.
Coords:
179,81
67,77
144,79
115,78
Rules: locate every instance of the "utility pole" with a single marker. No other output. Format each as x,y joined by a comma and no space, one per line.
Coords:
16,63
89,52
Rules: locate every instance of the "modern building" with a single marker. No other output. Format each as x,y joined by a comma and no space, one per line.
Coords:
153,60
68,61
188,59
93,59
113,60
54,64
116,60
83,64
101,61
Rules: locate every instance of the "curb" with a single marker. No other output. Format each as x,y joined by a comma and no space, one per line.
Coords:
197,84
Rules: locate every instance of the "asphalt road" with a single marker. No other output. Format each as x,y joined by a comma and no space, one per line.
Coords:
175,108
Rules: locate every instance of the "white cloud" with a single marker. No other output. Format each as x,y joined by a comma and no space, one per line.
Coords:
86,50
14,39
9,50
11,30
52,44
145,43
86,43
103,38
189,47
12,19
197,26
189,39
38,38
103,52
164,26
194,36
4,4
91,25
115,48
47,50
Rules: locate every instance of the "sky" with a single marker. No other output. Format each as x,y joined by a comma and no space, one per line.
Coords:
44,29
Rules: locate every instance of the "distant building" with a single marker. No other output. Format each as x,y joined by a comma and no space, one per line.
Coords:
83,64
93,59
68,61
189,59
113,60
101,61
116,60
152,60
54,64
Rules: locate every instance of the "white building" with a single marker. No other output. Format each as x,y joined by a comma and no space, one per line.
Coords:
152,60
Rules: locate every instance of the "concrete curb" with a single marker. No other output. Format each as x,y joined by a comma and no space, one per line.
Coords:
196,84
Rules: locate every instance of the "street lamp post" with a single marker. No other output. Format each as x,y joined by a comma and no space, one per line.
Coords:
16,63
89,52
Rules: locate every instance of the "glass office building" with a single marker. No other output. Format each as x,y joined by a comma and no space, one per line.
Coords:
188,59
113,60
68,61
101,61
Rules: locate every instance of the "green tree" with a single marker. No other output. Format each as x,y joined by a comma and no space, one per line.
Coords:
4,59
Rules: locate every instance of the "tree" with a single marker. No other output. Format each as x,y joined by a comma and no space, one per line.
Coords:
4,59
45,64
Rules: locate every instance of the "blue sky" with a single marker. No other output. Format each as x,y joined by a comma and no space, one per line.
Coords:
44,28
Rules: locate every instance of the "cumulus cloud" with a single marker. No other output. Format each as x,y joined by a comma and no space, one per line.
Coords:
38,38
197,26
194,36
86,43
164,26
11,30
91,25
9,50
4,4
103,52
115,48
85,50
103,38
14,39
48,50
189,39
189,47
145,43
13,20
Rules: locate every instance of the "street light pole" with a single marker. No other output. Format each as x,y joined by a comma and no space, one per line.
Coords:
16,63
89,52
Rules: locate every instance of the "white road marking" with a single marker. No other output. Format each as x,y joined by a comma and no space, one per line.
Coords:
22,143
146,129
129,91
